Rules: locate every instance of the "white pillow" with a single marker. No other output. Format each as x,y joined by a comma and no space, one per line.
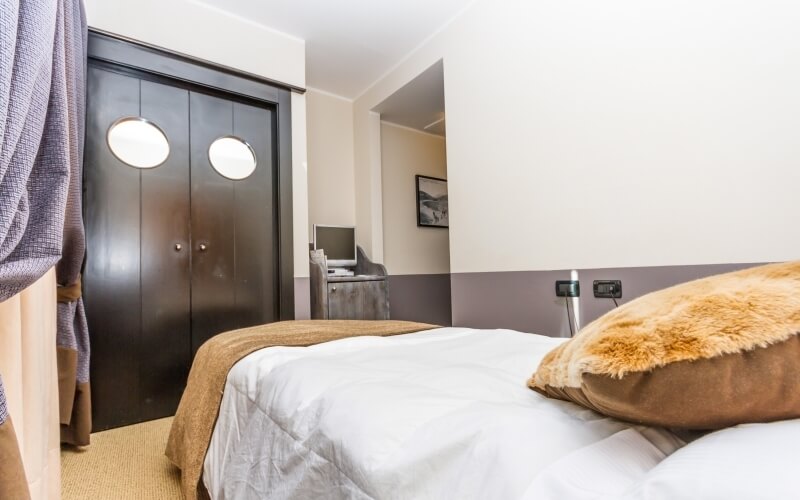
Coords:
748,462
606,469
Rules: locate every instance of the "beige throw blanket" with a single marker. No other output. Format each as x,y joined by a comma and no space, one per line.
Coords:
197,413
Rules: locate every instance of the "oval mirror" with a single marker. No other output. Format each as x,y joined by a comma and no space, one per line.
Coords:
138,142
232,157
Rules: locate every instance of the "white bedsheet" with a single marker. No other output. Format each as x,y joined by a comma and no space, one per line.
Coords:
443,414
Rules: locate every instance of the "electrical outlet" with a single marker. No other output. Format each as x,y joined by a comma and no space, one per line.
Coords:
568,288
607,289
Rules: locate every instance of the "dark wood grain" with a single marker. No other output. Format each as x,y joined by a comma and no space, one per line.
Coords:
132,57
165,349
254,218
146,316
111,287
213,229
285,208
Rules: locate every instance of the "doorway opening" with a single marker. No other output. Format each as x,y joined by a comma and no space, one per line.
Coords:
415,199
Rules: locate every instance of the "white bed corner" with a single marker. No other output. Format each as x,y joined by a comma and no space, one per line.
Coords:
442,414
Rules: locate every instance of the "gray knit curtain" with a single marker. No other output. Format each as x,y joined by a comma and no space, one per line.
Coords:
42,61
73,334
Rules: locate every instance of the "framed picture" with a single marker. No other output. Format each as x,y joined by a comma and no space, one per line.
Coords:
432,202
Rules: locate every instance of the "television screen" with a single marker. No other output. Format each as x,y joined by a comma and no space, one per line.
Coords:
338,243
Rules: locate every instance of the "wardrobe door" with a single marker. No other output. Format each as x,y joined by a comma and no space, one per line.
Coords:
165,258
111,289
233,219
136,278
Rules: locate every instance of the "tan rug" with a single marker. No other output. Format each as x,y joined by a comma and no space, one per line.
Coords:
123,463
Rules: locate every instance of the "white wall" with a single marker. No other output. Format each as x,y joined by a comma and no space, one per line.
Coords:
587,134
199,30
195,29
299,186
331,183
408,249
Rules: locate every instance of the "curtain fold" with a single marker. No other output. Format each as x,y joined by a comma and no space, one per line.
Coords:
73,333
38,79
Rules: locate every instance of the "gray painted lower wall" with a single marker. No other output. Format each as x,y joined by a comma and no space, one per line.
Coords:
523,300
302,298
420,297
526,300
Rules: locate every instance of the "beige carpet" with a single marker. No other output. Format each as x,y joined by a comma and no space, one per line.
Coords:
123,463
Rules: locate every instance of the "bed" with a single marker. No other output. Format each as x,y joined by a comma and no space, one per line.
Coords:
399,410
437,414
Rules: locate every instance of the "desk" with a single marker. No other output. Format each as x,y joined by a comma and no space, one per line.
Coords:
363,296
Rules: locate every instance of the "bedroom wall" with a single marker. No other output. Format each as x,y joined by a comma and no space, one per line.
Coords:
331,184
302,285
331,197
407,248
202,31
613,135
417,258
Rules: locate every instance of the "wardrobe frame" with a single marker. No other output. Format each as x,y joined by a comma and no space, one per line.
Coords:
124,55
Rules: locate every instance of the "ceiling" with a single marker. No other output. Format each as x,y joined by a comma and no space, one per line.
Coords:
419,104
350,44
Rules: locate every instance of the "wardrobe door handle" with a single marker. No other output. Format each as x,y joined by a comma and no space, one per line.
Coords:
178,247
203,247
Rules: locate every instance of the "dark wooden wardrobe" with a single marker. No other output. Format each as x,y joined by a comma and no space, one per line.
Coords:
178,252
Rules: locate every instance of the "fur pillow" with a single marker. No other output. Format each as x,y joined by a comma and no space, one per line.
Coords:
704,355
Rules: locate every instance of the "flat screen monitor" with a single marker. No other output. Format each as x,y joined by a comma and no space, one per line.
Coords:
338,243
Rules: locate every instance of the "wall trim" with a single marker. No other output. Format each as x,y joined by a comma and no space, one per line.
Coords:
375,187
410,129
316,90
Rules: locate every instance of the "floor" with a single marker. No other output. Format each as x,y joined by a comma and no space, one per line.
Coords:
123,463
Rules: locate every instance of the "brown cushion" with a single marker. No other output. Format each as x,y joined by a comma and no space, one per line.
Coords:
706,354
13,483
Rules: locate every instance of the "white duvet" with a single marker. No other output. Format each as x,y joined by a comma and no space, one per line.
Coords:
443,414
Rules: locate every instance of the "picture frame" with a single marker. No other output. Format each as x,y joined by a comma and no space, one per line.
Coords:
432,206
